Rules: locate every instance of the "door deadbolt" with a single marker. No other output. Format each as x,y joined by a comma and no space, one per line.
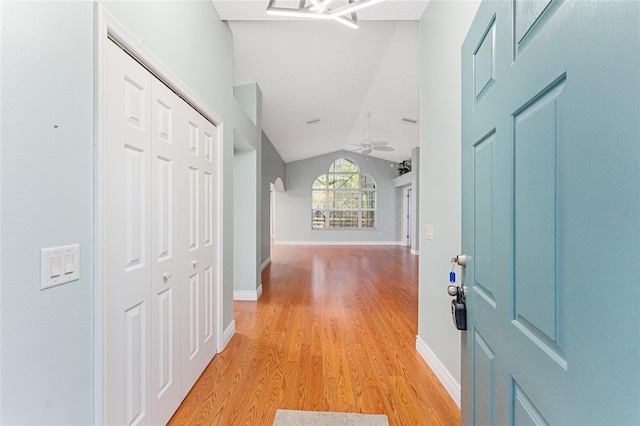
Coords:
460,259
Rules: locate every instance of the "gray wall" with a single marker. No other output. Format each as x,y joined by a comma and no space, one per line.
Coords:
46,337
47,173
273,167
442,30
247,197
411,181
244,221
250,99
293,207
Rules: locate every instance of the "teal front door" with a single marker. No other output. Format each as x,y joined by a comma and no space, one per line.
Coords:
551,213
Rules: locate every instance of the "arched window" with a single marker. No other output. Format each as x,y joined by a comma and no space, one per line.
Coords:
343,198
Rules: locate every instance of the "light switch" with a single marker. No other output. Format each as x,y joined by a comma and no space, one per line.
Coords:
59,265
54,263
428,232
68,264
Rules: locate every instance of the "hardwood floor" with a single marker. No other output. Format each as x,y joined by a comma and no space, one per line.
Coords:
334,330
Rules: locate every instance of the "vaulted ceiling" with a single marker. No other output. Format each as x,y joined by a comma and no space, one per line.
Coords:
320,69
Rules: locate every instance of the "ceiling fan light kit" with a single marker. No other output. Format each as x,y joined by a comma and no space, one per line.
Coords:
319,9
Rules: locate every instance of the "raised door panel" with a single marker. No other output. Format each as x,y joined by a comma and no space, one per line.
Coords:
561,142
168,180
209,236
128,258
201,261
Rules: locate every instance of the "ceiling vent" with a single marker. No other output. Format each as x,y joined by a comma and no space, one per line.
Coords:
315,121
409,121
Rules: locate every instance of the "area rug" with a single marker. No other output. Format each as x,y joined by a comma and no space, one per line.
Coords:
322,418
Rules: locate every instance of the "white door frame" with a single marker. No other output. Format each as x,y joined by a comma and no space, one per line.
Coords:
108,28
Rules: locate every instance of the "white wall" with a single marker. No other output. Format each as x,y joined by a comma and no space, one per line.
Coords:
47,56
293,216
443,28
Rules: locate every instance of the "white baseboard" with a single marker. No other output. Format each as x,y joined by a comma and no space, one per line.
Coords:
265,263
415,252
442,373
228,334
338,243
251,295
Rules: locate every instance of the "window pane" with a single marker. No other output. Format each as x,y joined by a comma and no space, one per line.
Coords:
343,165
343,219
319,207
320,182
368,219
368,199
344,200
319,200
344,181
318,219
367,182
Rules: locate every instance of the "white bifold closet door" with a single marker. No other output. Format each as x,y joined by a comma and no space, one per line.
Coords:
161,245
198,229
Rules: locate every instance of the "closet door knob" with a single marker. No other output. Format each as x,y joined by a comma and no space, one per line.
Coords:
166,276
195,263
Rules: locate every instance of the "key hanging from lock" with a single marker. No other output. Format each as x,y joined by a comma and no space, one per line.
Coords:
452,274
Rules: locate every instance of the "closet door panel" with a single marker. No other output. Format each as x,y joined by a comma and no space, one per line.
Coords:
161,277
168,179
129,257
199,342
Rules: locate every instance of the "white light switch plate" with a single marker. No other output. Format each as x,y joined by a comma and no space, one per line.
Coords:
59,265
428,232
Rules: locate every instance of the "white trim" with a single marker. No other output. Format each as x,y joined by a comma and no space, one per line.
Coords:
250,295
227,335
265,264
415,252
108,28
220,232
338,243
99,160
447,380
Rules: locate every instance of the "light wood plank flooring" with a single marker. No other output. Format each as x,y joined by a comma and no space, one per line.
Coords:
334,330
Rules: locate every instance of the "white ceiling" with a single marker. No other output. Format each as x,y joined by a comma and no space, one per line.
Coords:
310,69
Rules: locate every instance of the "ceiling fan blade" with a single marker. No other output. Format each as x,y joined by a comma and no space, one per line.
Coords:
357,144
378,143
383,148
367,151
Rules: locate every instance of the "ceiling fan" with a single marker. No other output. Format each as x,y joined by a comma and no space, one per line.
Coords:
368,146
